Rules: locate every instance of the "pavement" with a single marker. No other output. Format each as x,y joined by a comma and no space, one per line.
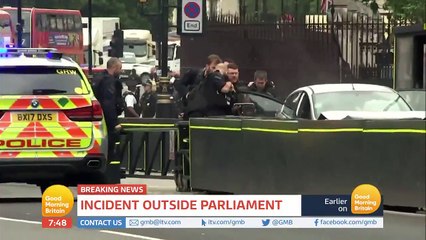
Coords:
20,218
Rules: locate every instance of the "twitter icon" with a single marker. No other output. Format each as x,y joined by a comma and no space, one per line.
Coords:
266,222
203,223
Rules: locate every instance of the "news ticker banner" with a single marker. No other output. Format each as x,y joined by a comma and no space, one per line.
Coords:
128,206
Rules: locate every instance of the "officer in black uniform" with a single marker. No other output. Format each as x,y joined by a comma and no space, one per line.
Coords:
218,92
211,96
109,96
148,101
193,78
131,100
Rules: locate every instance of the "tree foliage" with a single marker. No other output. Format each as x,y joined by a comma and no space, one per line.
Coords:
408,9
276,7
127,10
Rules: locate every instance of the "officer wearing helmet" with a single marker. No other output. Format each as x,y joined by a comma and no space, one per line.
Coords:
148,101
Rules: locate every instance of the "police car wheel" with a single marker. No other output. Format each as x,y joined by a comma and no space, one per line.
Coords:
112,175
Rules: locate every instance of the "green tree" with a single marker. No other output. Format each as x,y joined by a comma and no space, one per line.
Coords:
277,7
74,4
408,9
411,9
127,10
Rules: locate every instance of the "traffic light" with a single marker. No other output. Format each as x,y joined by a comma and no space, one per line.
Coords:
116,44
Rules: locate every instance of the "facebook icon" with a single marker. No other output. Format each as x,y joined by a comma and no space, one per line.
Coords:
316,222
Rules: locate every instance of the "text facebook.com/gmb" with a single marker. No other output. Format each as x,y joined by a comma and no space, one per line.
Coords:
345,222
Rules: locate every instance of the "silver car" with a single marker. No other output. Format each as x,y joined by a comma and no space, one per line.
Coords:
416,98
319,101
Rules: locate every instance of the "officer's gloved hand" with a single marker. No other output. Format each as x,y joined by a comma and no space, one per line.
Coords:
118,128
236,110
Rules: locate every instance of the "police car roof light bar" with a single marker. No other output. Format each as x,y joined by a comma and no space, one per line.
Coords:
29,50
54,55
50,53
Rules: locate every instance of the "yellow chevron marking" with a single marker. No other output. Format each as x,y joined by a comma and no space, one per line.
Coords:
47,154
14,130
26,154
79,154
56,129
6,103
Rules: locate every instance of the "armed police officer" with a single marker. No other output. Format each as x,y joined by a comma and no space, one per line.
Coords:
148,101
108,90
193,78
211,96
131,100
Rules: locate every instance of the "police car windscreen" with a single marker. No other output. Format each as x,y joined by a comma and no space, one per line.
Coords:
40,80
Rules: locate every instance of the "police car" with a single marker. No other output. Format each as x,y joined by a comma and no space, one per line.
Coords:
52,129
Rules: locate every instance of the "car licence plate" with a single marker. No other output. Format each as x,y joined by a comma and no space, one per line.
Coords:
34,117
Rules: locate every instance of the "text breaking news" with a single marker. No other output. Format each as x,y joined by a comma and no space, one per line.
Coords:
129,206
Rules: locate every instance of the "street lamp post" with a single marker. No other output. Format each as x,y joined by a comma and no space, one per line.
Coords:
165,100
161,12
165,38
19,25
90,38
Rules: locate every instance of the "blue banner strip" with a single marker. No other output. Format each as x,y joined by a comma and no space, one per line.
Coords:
101,222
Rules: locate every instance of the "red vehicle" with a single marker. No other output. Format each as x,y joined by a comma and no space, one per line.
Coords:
6,30
95,70
51,28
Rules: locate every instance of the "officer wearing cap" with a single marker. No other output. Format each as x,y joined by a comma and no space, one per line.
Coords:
148,101
130,98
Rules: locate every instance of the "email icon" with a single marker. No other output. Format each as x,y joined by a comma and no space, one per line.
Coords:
133,222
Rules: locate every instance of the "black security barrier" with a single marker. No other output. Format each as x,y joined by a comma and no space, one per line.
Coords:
218,140
182,161
254,156
400,147
260,146
331,153
147,145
